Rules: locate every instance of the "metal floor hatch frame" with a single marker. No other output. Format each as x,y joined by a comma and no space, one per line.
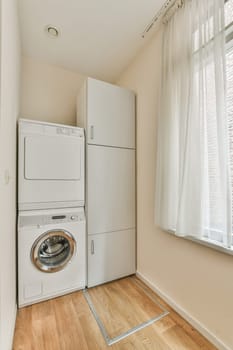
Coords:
111,341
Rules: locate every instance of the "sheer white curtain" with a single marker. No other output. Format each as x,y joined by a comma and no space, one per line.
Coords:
193,194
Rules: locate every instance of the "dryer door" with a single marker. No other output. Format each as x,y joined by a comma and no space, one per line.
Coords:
52,251
52,158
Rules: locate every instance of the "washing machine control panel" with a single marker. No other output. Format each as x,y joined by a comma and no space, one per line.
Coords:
65,218
41,220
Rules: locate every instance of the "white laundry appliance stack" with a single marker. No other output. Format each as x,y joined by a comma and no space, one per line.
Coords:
51,219
107,112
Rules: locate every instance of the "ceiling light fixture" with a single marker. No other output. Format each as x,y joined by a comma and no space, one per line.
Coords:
52,31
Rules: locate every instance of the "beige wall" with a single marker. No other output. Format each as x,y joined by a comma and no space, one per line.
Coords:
48,93
196,278
10,69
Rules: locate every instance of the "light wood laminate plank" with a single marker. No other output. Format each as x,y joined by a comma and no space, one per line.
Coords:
66,323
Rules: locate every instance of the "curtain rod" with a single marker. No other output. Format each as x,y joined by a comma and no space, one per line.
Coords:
161,13
164,10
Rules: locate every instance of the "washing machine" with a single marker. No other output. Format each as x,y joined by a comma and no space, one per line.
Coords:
51,254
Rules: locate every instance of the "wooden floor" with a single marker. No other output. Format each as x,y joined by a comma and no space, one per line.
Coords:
66,323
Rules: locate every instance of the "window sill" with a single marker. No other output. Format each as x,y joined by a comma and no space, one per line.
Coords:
206,243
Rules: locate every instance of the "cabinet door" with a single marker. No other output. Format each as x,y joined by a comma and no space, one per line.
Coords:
110,115
110,189
110,256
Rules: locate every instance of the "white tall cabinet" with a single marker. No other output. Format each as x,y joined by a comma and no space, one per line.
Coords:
107,112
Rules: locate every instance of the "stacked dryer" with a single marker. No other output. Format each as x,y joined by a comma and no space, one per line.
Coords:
51,220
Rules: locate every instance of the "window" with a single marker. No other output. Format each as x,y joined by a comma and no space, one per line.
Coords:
214,233
194,176
229,80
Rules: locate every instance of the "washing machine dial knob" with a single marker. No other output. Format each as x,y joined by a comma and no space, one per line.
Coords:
73,217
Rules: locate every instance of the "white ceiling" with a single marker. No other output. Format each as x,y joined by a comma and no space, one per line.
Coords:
98,38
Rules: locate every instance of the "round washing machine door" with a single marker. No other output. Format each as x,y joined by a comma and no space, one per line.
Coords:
52,251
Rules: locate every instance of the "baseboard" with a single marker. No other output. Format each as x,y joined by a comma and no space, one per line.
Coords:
189,318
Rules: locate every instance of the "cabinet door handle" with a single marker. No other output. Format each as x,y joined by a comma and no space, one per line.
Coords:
92,247
92,132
